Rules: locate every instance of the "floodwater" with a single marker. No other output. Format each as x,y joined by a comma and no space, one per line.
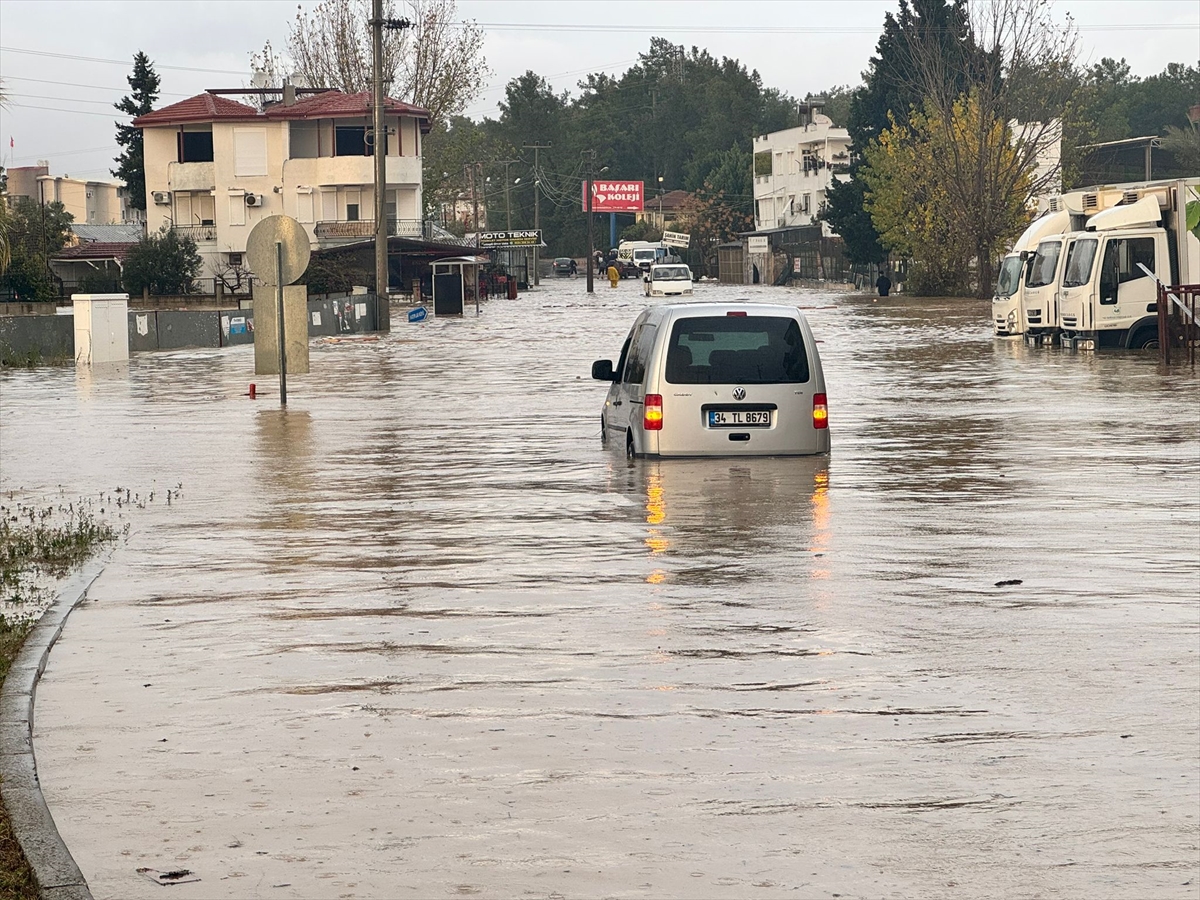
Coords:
421,635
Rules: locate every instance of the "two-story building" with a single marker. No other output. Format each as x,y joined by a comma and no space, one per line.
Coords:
793,170
216,167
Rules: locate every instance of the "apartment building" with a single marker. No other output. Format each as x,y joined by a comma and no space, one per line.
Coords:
793,170
215,167
88,202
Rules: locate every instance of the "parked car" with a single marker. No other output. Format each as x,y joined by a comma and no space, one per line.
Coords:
669,281
564,265
716,379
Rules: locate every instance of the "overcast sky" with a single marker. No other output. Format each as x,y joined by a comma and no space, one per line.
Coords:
63,64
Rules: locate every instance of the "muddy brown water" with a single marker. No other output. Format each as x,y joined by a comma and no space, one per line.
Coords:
421,635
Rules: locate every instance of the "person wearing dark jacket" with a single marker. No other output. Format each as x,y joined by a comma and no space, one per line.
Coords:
883,284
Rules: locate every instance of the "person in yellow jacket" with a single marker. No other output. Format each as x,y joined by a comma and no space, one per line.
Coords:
614,274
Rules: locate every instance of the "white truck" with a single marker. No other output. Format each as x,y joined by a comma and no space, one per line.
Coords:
1106,298
642,254
1009,313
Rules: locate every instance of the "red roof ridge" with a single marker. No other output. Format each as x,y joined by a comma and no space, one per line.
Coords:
204,107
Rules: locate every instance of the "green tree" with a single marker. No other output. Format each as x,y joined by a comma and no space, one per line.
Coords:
34,232
893,85
131,164
846,212
165,262
923,202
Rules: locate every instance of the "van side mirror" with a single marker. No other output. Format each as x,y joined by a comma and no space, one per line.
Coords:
602,370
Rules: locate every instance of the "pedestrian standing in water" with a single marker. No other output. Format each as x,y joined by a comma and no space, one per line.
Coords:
614,274
883,284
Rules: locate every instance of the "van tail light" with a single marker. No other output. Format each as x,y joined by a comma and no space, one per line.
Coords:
652,413
820,411
738,313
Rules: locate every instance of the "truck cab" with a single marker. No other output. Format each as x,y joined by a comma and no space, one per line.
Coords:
1107,299
1008,309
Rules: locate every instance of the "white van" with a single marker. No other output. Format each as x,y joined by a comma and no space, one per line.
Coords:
673,280
717,379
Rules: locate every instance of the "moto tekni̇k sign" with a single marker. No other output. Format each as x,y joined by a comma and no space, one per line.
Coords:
615,196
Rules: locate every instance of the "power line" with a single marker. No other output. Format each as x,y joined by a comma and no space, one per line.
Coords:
762,29
78,112
90,87
117,62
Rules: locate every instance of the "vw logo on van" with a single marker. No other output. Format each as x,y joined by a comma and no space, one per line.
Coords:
739,393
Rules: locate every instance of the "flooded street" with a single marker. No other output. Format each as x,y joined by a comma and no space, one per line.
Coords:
422,635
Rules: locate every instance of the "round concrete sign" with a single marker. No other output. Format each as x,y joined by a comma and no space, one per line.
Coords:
260,249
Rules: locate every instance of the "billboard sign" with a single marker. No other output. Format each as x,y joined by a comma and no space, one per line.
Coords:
614,196
675,239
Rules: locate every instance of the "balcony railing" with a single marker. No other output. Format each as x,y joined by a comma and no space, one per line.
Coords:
197,233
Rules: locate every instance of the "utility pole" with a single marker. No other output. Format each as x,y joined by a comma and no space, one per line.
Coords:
537,218
379,150
472,170
590,156
507,197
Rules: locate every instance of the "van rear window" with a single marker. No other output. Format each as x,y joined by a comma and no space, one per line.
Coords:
736,350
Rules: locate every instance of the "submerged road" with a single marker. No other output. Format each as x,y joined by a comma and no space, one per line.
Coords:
421,635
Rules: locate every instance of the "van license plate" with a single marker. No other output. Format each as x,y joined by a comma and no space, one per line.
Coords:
739,419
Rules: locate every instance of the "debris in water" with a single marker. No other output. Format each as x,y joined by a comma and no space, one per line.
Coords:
1011,581
175,876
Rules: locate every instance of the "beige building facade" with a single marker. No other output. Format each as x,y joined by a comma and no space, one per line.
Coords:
216,167
88,202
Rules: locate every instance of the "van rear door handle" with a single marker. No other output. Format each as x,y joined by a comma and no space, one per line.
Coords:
616,403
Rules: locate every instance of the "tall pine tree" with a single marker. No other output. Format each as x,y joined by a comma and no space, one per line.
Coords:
893,86
131,164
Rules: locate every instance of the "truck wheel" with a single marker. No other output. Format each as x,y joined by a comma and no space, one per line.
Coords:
1144,340
629,451
603,431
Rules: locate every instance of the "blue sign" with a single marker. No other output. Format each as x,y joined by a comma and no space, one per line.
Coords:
418,314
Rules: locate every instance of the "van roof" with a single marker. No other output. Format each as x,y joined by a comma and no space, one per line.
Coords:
710,308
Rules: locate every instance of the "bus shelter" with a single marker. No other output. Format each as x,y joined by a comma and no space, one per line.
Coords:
456,284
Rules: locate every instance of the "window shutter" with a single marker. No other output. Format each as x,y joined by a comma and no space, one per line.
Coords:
249,151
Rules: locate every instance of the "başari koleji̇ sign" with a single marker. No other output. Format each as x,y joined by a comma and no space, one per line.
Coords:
614,196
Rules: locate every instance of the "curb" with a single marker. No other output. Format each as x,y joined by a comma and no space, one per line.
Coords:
54,869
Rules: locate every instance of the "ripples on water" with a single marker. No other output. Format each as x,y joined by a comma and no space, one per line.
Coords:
432,543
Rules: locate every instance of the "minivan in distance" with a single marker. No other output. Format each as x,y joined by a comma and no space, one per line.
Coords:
716,379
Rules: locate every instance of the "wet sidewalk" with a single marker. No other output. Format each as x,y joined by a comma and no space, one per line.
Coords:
421,635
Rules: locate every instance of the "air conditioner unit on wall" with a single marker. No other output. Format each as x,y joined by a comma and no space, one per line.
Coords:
163,198
254,200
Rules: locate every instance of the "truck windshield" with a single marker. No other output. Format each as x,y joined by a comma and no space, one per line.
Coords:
1009,278
1079,263
643,255
737,350
1045,264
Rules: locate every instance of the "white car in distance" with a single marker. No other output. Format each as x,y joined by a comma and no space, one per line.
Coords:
669,280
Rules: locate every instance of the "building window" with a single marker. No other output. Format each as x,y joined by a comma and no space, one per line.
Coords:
762,163
195,146
351,212
235,259
304,140
351,140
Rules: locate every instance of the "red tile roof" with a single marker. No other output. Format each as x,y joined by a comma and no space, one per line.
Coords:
335,104
201,108
97,250
208,107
